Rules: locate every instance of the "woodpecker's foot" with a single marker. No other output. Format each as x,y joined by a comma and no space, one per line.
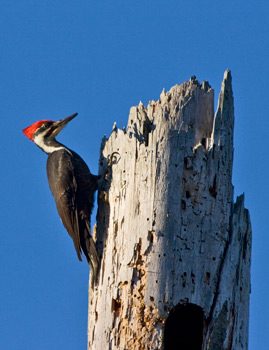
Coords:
104,196
94,233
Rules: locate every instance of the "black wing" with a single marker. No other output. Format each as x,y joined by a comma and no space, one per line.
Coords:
73,187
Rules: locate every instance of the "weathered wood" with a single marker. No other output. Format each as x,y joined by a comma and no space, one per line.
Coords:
174,247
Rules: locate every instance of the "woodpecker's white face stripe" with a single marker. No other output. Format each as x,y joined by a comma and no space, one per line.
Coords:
39,141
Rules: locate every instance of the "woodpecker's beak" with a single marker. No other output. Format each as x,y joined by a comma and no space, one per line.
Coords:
60,124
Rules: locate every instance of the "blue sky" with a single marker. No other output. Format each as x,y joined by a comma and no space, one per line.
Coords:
99,58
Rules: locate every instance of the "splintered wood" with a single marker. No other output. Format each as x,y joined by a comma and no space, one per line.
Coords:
168,231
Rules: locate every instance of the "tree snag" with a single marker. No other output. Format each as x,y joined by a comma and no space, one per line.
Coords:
174,247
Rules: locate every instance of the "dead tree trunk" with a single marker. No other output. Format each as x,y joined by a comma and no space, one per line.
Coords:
174,247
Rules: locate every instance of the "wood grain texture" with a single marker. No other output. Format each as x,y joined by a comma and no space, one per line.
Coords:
168,230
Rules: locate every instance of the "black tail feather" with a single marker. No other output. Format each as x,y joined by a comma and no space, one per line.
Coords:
89,250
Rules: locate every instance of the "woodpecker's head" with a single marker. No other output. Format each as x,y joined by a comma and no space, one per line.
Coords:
43,132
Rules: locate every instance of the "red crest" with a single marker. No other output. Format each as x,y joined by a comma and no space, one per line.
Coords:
29,132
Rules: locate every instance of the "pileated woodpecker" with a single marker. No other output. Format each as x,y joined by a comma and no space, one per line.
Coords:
71,184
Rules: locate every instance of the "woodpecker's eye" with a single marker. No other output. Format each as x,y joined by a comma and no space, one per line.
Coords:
46,125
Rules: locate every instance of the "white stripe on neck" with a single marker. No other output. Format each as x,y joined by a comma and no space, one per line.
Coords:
39,141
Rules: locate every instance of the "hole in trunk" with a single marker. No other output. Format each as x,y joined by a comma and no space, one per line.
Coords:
184,328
